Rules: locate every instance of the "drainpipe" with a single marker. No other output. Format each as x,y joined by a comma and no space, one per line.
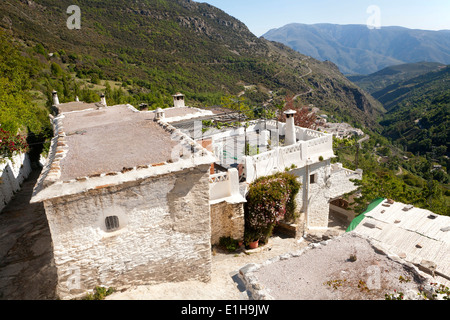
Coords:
308,162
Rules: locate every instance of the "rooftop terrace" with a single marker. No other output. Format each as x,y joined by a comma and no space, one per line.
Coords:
96,146
107,140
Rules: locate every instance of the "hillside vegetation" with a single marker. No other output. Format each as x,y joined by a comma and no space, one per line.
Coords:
419,113
156,48
386,77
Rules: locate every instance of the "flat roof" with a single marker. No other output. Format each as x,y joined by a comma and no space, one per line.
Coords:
76,106
104,146
110,139
415,233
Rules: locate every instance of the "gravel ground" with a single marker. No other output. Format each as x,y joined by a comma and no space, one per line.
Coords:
346,268
225,283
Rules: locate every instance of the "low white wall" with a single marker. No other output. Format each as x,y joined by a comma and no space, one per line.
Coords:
13,173
225,187
280,158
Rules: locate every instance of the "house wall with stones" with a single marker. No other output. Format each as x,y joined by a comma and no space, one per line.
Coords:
164,233
227,220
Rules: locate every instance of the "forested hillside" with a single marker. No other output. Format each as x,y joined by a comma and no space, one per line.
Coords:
419,113
379,80
155,48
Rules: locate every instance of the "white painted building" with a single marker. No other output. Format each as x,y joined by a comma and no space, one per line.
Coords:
132,200
280,147
126,198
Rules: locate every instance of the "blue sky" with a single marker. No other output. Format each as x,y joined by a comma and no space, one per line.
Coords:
262,15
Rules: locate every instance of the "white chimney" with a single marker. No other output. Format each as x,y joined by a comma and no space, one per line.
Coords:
178,100
103,99
55,98
159,114
77,99
290,136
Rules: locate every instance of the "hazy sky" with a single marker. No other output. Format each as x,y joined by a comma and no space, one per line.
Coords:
262,15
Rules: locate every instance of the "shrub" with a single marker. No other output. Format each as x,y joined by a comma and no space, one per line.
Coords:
269,200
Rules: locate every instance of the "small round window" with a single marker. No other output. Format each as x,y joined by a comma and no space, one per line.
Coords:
112,223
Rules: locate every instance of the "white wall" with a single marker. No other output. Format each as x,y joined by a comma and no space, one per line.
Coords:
13,173
165,234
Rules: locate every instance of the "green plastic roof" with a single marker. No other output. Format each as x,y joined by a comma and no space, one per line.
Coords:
355,222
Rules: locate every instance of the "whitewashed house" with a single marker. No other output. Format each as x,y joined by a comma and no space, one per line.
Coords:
277,147
126,197
131,199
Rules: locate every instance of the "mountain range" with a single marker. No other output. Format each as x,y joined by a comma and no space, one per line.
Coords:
160,47
358,50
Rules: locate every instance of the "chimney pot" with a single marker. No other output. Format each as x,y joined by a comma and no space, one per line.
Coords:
103,99
291,137
55,98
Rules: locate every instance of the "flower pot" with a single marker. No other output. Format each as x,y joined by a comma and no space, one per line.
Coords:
254,244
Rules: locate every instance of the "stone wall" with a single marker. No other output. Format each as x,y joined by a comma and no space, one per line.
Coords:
227,220
313,198
12,173
164,234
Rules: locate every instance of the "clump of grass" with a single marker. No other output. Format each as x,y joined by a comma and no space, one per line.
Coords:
100,293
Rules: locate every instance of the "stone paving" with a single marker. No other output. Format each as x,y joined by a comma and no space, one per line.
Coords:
27,270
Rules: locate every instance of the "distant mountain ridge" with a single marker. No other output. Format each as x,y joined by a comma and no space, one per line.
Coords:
356,49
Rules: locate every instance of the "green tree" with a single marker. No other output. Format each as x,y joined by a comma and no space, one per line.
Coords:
17,112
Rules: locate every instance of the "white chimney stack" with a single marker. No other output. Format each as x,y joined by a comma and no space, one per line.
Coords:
103,99
290,136
159,114
178,100
55,98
